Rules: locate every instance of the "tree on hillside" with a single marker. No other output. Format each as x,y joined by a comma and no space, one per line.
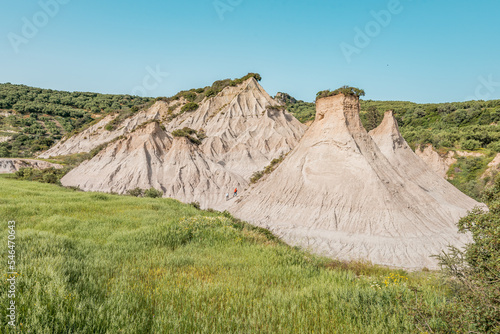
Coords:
373,118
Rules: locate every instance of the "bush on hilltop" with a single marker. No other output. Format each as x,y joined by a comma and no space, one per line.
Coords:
346,90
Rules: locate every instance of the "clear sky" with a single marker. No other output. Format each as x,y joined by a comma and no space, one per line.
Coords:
420,50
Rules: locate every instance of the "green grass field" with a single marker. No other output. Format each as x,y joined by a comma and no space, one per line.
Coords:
98,263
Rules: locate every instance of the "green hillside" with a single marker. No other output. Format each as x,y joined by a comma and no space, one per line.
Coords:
35,118
98,263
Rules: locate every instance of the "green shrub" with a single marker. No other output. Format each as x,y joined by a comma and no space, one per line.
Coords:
184,132
49,175
100,197
303,111
373,118
50,178
210,92
109,127
153,193
245,78
219,85
195,205
190,96
188,107
137,192
276,108
466,173
495,146
256,176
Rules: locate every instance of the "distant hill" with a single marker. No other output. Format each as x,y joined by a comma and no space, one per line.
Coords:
468,125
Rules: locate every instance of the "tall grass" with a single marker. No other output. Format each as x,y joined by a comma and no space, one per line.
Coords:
98,263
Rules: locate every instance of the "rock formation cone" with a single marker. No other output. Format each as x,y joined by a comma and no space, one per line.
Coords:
245,129
125,164
97,135
342,195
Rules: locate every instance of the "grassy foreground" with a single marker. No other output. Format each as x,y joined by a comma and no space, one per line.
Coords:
96,263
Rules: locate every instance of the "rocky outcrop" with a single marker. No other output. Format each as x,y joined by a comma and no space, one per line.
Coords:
341,191
408,164
284,98
438,163
120,166
97,135
341,194
8,166
244,127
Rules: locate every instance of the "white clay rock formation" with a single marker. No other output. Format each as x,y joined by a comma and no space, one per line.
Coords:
150,158
398,152
120,166
340,194
8,166
245,130
340,191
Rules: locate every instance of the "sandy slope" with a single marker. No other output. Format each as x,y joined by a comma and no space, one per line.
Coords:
341,195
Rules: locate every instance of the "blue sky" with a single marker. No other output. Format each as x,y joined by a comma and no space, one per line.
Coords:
421,51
